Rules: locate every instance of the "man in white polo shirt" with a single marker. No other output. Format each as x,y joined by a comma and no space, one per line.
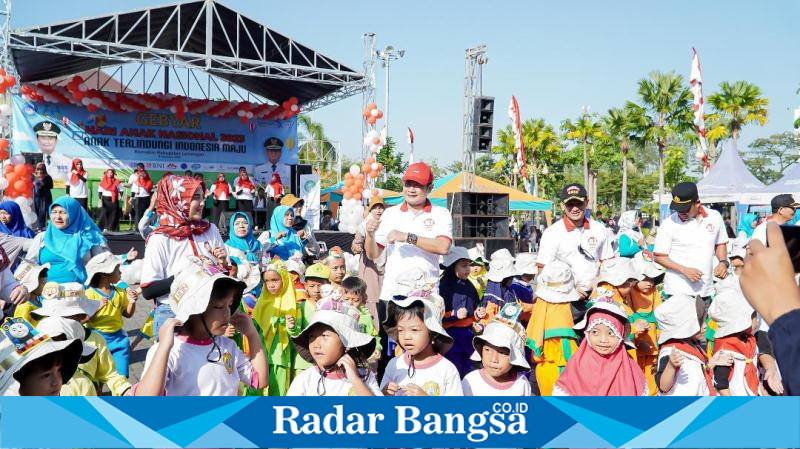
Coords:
687,243
578,241
783,207
414,234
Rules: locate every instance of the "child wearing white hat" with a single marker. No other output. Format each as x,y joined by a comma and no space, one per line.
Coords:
199,360
461,301
522,286
615,282
501,351
102,275
32,363
645,298
59,329
415,323
33,277
477,270
683,368
736,321
550,335
498,289
68,300
338,350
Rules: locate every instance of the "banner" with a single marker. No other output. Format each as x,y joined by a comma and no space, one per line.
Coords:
157,138
309,192
248,422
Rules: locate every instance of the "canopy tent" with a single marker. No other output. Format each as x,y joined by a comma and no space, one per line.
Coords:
202,35
518,200
728,181
789,183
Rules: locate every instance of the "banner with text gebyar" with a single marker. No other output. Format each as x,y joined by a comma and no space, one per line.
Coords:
157,138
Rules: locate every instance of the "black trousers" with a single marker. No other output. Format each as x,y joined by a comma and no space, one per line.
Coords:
110,215
84,202
140,204
245,206
385,356
220,206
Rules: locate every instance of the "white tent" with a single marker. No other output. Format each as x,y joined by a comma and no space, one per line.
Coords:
789,183
729,180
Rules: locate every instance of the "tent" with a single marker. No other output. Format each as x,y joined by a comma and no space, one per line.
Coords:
789,183
518,200
728,181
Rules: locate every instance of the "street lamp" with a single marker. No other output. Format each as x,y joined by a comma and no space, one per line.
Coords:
386,55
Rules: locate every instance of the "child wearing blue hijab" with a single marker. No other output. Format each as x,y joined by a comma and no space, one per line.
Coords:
71,239
282,235
16,223
746,226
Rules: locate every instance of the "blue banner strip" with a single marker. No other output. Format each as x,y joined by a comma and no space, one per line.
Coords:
249,422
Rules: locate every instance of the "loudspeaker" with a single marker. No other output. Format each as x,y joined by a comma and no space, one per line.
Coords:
298,170
480,226
490,245
483,119
472,203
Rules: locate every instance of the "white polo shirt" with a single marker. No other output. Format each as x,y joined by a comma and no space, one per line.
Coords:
430,222
562,240
691,243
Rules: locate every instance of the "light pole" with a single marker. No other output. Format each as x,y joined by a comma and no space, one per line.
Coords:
386,55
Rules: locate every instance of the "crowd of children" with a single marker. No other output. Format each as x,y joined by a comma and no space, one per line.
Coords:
487,326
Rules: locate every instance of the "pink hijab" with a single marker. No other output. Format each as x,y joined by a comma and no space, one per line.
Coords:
590,374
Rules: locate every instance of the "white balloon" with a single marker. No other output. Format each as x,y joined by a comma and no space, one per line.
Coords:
30,219
17,159
367,194
85,101
3,183
374,148
22,202
372,134
374,166
355,169
373,112
5,110
699,155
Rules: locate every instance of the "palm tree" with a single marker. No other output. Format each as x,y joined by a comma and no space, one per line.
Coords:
621,127
314,145
738,104
541,143
585,130
665,110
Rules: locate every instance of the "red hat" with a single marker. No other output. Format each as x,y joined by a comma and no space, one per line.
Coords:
419,172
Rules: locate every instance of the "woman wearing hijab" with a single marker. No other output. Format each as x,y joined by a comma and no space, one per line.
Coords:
42,195
630,239
76,187
70,240
12,221
243,248
109,190
285,239
747,224
222,194
245,189
181,234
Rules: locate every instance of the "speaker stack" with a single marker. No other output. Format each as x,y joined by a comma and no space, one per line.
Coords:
481,218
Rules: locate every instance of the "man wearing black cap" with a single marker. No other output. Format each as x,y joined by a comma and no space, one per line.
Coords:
687,243
580,242
58,166
783,207
264,172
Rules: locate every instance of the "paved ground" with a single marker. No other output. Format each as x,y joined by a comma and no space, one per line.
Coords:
132,325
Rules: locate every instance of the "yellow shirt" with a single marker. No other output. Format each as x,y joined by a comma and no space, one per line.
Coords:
108,318
100,368
79,385
24,311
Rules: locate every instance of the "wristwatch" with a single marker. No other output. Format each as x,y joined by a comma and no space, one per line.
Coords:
726,262
411,239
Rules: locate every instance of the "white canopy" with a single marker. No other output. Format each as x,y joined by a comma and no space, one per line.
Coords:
789,183
729,180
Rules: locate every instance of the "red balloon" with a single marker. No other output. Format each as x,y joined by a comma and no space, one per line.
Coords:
4,143
2,88
9,169
28,194
9,80
372,106
3,154
371,120
28,169
92,107
12,178
20,169
380,114
19,185
10,192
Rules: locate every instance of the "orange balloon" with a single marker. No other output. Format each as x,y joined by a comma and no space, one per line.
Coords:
28,186
374,192
373,174
357,196
371,120
348,175
8,169
28,169
3,154
376,141
12,178
371,106
28,194
20,169
380,166
348,182
369,161
364,168
347,195
10,192
19,185
361,178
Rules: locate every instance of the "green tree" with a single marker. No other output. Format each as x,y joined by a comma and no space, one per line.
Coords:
585,131
315,149
665,110
542,151
768,158
393,167
739,104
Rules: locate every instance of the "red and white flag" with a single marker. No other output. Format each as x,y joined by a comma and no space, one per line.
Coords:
410,135
513,114
696,87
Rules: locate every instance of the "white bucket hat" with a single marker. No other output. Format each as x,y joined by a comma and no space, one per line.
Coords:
731,311
415,279
526,263
502,268
613,308
456,253
501,254
21,344
132,272
477,256
295,265
504,331
677,318
646,266
343,318
65,300
27,274
104,262
70,329
249,274
555,283
434,312
618,270
191,290
738,249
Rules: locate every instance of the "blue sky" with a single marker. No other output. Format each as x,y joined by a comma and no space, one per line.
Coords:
554,56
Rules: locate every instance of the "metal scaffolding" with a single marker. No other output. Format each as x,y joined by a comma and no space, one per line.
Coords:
475,58
368,94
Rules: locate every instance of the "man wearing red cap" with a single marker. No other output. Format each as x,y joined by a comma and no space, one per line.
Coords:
413,234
